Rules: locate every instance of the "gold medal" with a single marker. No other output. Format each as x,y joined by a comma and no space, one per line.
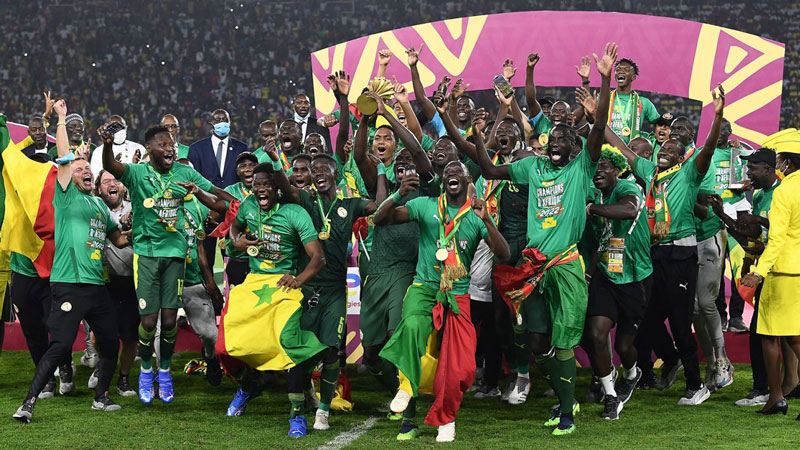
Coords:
221,244
149,202
252,251
626,131
544,139
324,235
200,235
371,220
441,254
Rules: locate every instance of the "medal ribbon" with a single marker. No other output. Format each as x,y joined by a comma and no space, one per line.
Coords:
262,219
452,269
326,223
284,159
491,195
632,118
659,219
161,183
197,227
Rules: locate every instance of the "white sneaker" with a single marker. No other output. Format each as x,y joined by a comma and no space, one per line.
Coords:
508,390
93,379
400,401
693,398
321,420
520,393
754,398
447,433
724,373
89,359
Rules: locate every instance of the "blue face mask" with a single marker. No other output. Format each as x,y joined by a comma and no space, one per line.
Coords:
222,129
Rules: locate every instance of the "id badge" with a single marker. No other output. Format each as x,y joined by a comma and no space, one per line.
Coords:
616,250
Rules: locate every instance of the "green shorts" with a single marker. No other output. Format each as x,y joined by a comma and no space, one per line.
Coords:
324,312
159,283
382,305
558,305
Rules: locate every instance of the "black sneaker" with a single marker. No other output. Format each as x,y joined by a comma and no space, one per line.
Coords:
49,390
647,382
669,373
105,404
625,386
724,323
736,325
25,412
213,372
124,387
595,394
612,409
66,384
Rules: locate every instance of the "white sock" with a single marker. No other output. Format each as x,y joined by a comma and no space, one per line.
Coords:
163,370
524,375
630,374
608,385
150,370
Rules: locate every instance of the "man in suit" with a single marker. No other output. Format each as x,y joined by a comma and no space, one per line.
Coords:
308,124
38,132
215,158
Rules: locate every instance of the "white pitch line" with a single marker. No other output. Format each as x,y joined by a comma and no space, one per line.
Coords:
347,437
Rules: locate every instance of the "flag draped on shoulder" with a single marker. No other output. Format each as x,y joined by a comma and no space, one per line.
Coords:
260,327
28,224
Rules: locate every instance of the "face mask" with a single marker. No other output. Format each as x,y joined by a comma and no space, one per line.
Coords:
222,129
779,171
120,136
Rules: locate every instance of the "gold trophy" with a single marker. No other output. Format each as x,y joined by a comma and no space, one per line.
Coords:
380,86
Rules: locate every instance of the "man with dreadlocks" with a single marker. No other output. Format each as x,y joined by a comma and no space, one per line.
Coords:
620,279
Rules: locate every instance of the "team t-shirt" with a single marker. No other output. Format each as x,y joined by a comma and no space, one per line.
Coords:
239,191
81,224
196,215
708,227
394,247
157,231
623,110
286,229
557,200
425,212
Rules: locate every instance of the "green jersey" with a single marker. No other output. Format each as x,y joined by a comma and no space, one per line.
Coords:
23,265
341,213
708,227
762,201
628,112
156,231
681,194
425,212
722,167
82,222
557,200
628,238
183,151
541,124
394,247
196,215
286,228
240,192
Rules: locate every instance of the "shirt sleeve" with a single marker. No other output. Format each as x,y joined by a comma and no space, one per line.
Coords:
535,119
779,216
201,181
129,174
240,219
415,208
649,110
518,171
63,195
360,207
305,229
437,123
644,169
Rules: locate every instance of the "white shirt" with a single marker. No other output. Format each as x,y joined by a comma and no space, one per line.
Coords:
127,150
303,121
214,145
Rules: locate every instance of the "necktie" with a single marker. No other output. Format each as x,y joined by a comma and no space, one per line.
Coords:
219,156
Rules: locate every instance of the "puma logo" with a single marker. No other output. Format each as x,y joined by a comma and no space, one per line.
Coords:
568,380
683,286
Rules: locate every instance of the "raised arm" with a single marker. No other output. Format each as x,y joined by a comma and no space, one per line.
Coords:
401,96
703,159
389,213
384,56
583,71
62,145
366,168
419,90
605,66
530,87
459,89
497,243
290,193
405,136
464,146
340,84
488,170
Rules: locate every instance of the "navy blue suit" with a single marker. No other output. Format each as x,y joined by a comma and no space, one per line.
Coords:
203,158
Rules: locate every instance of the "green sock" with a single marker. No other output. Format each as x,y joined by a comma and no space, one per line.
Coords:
521,353
547,365
297,405
328,381
563,378
410,414
146,347
386,374
167,347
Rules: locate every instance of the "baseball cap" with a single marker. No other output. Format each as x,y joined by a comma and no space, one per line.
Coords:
765,155
247,156
664,119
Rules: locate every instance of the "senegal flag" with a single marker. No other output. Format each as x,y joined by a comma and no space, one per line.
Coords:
260,327
28,223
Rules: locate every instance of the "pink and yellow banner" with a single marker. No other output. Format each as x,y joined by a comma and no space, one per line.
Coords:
675,57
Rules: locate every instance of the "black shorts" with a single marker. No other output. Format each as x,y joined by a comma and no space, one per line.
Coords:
123,295
624,304
237,270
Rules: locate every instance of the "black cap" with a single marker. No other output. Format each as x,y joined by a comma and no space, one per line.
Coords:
246,156
547,100
665,119
765,155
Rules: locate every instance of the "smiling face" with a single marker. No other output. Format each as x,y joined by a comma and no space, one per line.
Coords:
162,151
444,152
760,174
384,145
301,173
289,136
37,132
455,178
244,170
662,133
75,132
465,107
507,137
110,190
314,144
561,145
624,74
264,190
401,116
605,177
302,105
559,113
670,153
682,130
82,175
641,147
323,175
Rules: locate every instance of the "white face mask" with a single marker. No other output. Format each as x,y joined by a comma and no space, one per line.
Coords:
120,136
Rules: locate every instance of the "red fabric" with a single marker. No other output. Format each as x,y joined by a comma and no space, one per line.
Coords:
230,365
45,225
361,228
456,368
223,228
510,278
747,293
